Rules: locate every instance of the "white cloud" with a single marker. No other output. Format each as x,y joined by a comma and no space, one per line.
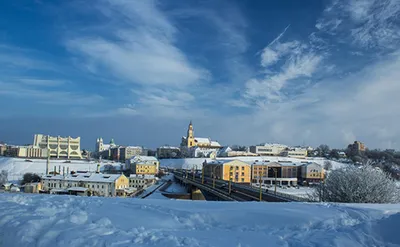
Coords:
142,50
41,82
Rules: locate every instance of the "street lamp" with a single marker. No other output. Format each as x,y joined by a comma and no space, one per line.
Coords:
202,174
260,176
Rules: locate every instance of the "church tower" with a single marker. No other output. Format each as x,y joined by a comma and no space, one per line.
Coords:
190,135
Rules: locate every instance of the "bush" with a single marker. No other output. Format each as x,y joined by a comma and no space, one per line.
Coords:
353,184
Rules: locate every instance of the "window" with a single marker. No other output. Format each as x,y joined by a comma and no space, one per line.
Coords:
237,168
242,168
92,186
98,186
231,173
102,186
242,179
242,173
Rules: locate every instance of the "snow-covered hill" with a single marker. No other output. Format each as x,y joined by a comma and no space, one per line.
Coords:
16,167
198,162
44,220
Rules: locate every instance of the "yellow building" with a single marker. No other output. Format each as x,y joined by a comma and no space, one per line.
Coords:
148,165
235,170
284,173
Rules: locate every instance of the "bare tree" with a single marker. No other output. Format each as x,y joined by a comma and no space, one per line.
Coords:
353,184
327,165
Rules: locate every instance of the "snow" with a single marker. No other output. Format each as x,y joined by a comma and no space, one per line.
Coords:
189,163
54,220
16,167
176,189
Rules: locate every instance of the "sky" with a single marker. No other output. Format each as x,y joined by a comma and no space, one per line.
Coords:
245,72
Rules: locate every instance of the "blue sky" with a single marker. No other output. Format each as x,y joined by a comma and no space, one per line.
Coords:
245,72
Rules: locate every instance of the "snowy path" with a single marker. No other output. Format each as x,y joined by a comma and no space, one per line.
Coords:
46,220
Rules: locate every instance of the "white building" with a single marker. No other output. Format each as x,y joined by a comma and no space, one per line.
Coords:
141,181
60,147
228,152
268,149
300,153
166,152
98,184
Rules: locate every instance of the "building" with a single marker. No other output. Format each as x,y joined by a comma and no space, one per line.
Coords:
59,147
282,173
310,172
228,152
26,152
300,153
148,165
104,150
3,149
168,152
96,184
128,152
32,187
198,146
141,181
357,146
268,149
235,170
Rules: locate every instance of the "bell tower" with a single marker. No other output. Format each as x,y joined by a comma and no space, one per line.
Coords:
190,135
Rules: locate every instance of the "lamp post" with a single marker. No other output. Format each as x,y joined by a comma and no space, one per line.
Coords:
214,176
202,175
230,179
260,186
194,172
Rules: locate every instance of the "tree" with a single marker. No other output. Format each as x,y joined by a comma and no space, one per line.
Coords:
353,184
334,154
323,150
327,165
30,178
3,177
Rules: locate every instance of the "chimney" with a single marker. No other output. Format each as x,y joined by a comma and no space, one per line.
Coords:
98,168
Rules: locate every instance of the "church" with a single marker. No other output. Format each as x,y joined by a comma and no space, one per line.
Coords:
199,146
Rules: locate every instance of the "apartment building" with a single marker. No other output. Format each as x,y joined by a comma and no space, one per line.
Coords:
268,149
143,165
141,181
300,153
59,147
129,152
168,152
310,173
235,170
281,173
96,184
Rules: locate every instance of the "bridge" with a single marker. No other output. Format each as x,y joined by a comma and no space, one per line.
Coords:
235,192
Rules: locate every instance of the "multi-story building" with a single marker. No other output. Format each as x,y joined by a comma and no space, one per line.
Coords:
268,149
143,165
198,146
235,170
300,153
168,152
93,183
3,149
129,152
228,152
357,146
310,172
141,181
59,147
26,152
282,173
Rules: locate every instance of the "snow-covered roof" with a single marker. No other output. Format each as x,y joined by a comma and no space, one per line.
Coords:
275,145
222,162
168,147
145,159
214,143
86,177
144,176
202,140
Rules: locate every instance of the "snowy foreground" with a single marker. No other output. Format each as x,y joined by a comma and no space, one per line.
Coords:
44,220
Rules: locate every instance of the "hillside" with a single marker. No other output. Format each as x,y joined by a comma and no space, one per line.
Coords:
44,220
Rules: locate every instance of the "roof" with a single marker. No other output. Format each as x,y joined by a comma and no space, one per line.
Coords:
144,176
86,177
222,162
168,147
274,145
202,140
145,159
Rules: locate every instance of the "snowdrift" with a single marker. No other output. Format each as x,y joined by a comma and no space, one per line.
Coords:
45,220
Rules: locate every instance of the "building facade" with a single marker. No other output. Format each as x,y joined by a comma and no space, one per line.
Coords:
228,152
168,152
281,173
311,173
357,146
141,181
235,170
268,149
59,147
300,153
129,152
95,183
192,146
147,165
